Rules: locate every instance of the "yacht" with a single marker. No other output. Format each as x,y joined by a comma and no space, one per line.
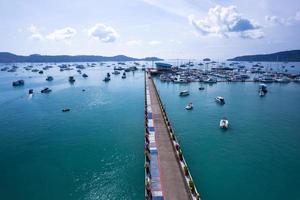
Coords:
224,123
184,93
220,100
189,106
49,78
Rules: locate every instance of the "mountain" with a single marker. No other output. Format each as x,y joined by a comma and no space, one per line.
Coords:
283,56
6,57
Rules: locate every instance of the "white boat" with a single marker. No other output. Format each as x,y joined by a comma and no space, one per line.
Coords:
189,106
184,93
220,100
224,123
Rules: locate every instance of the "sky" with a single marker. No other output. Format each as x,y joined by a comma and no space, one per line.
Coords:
170,29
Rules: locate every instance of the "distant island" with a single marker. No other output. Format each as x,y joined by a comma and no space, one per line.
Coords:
6,57
283,56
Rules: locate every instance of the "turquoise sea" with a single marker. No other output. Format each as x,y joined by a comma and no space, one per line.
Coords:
95,151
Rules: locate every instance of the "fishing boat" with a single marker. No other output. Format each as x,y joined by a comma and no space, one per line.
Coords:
224,123
184,93
189,106
220,100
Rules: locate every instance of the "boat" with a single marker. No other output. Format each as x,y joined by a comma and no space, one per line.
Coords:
263,87
224,123
116,72
184,93
261,93
108,75
30,91
41,72
210,80
220,100
85,75
71,79
46,90
18,83
106,79
66,110
189,106
49,78
124,75
201,88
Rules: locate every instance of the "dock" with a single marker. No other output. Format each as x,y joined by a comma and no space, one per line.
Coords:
166,172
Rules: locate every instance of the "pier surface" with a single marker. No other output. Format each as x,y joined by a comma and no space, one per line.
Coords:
171,178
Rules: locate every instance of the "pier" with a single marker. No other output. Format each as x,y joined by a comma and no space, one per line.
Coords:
166,172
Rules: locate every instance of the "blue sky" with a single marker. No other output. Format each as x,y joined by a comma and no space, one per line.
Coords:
218,29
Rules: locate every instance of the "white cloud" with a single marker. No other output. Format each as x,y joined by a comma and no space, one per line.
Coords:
154,42
103,33
62,34
35,33
225,21
134,42
252,34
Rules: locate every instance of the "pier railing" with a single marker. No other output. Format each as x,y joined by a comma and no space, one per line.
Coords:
190,184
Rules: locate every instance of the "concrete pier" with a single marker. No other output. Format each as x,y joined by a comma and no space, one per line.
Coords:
167,175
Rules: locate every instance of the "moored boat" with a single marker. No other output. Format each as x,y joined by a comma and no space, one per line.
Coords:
184,93
189,106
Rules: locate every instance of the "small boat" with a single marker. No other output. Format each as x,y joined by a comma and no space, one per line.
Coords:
18,83
71,79
263,87
224,123
124,75
41,72
220,100
201,88
30,91
106,79
66,110
85,75
261,93
189,106
49,78
46,90
116,72
210,80
184,93
108,74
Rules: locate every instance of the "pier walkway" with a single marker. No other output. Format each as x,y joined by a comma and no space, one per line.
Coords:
167,175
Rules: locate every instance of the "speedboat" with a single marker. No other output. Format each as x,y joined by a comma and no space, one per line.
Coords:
49,78
46,90
189,106
71,79
18,83
184,93
220,100
124,75
224,123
